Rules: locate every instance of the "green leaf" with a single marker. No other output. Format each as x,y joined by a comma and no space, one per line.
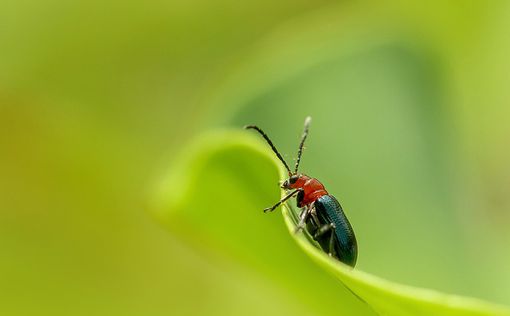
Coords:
213,197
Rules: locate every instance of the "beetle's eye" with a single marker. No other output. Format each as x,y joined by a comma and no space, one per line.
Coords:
293,179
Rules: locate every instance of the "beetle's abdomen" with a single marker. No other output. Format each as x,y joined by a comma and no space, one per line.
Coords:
345,245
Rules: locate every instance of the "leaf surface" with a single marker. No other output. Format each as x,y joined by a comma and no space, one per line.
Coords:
213,197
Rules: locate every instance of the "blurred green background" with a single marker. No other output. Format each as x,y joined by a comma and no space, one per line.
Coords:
410,132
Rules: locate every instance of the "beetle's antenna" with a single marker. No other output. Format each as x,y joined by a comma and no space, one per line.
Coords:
308,120
270,144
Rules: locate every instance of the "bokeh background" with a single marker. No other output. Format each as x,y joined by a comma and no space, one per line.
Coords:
411,131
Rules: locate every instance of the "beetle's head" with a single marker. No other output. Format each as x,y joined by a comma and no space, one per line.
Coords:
294,181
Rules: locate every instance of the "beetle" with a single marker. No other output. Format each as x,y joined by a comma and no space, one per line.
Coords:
321,213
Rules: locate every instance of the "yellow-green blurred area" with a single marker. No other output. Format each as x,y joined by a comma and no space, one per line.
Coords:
411,125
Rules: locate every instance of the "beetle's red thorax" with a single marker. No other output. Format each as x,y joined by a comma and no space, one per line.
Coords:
312,189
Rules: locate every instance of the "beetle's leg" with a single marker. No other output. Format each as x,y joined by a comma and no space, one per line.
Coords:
324,229
303,217
313,212
303,210
331,242
308,211
285,198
